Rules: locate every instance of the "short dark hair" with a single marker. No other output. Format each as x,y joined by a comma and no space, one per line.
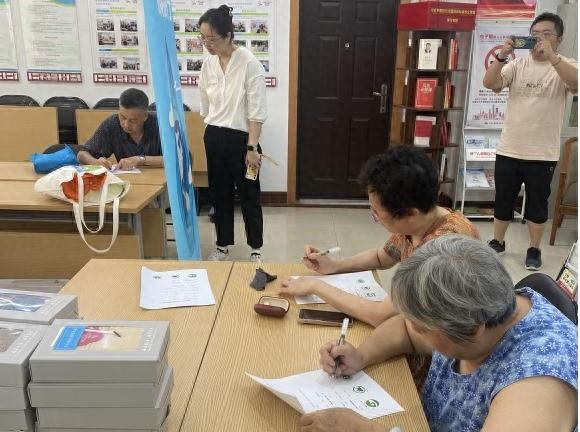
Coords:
404,179
220,20
548,16
134,98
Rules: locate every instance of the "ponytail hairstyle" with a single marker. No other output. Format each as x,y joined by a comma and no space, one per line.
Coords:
220,20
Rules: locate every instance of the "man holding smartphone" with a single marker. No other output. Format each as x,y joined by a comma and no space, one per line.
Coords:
529,146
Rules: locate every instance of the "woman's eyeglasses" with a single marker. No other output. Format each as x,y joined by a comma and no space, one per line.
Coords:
208,40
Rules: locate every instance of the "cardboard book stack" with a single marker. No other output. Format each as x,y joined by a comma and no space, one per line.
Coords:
101,376
17,343
36,307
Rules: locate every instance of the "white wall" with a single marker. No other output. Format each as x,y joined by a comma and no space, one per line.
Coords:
275,132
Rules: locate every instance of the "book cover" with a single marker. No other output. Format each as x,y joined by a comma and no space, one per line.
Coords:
101,351
425,92
17,343
35,307
427,55
423,125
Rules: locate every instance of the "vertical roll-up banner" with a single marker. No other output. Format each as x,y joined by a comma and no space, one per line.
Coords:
171,120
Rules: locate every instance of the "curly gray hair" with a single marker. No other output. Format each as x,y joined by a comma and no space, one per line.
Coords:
454,284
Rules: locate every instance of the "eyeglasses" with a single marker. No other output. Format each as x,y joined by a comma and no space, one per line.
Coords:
546,33
208,40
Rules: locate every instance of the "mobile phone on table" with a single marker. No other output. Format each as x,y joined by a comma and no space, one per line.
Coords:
322,317
525,42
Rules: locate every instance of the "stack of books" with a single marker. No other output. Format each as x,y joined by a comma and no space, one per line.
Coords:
17,343
104,375
36,307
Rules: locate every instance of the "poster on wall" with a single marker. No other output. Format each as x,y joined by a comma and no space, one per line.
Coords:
8,59
51,40
254,29
119,49
189,47
171,120
506,9
486,109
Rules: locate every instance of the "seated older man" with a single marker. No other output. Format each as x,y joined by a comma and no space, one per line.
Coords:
503,360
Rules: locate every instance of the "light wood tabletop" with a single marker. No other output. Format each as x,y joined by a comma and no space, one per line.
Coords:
20,195
24,171
110,290
224,399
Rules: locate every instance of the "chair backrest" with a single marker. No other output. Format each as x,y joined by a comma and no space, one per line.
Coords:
67,127
26,130
89,120
551,291
153,107
18,100
108,104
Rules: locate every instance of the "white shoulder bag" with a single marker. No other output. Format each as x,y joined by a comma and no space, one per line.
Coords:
83,186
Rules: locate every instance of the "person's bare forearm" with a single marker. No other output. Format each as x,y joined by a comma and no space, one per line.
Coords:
254,132
373,313
85,158
154,161
567,72
372,259
492,78
389,340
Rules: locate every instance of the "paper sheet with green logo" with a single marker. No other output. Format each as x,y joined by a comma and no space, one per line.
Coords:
316,390
361,284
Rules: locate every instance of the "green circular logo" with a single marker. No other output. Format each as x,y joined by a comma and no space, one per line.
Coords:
372,403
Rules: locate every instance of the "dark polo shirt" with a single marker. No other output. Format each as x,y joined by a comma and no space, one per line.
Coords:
110,138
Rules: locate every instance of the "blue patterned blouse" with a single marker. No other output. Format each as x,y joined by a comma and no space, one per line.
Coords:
543,343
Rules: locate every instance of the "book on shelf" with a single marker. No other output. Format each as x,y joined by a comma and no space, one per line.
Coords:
423,125
425,92
428,52
442,167
475,141
476,178
453,56
444,132
448,95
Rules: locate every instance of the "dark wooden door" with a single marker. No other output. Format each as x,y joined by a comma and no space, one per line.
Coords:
347,54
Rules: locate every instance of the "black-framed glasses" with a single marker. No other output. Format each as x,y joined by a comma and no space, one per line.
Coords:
545,33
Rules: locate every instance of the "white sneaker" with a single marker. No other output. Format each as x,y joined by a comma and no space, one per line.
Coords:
219,255
256,257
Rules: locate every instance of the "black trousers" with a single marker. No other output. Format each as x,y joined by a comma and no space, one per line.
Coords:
226,169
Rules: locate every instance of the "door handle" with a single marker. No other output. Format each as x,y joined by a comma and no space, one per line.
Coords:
383,95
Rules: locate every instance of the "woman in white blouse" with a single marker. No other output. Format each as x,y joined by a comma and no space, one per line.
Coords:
233,103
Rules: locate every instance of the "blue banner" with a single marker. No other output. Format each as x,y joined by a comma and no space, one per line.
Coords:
171,119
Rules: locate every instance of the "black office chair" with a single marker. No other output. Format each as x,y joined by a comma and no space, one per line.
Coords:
107,103
551,291
153,107
18,100
67,124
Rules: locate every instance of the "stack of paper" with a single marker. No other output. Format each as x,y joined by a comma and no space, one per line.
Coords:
17,342
36,307
103,375
316,390
476,178
361,284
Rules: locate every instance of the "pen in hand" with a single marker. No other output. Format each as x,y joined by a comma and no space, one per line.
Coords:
341,341
332,250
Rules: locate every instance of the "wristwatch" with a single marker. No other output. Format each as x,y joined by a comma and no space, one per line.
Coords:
499,59
252,148
142,159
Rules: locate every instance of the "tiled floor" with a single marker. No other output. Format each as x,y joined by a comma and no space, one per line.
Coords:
287,229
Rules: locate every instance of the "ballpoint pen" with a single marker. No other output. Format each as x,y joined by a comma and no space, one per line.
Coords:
335,249
341,341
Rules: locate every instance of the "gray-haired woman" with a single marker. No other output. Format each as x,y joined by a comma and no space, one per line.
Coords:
502,360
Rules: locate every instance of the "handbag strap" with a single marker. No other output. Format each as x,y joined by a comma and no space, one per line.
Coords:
102,203
77,211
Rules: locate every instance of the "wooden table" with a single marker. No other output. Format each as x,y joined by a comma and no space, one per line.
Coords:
24,171
224,399
110,289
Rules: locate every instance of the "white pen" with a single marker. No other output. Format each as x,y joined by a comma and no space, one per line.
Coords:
341,341
332,250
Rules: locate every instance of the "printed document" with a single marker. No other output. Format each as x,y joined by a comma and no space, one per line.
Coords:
361,284
316,390
160,290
